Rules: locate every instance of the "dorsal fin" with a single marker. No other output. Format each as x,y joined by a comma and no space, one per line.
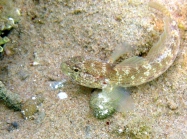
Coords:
159,7
132,61
120,50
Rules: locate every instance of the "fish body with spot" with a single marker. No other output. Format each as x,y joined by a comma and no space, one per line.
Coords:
133,71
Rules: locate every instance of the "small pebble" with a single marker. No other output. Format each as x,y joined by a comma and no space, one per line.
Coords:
13,126
62,95
57,84
23,75
172,105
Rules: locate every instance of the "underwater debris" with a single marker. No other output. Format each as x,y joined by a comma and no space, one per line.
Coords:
57,84
36,60
12,100
30,107
12,126
138,128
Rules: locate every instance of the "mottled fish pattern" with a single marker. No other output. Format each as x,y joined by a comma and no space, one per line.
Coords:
133,71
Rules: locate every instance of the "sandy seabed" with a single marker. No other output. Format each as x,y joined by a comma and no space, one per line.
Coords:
50,32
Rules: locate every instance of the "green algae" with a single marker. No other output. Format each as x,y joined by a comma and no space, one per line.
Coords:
9,17
4,40
8,10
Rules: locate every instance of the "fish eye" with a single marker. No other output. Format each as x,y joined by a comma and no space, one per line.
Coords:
75,69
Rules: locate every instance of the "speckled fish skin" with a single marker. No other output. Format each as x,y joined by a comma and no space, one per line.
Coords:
133,71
